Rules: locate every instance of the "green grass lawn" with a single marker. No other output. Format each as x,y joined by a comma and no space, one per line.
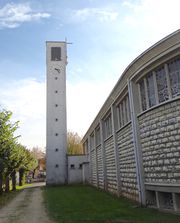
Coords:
22,187
81,204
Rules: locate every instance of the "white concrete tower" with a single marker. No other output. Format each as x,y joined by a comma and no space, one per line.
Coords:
56,138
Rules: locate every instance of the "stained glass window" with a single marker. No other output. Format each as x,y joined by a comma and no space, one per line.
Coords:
123,112
119,116
126,108
159,83
174,76
143,95
108,126
85,147
150,90
98,136
162,85
92,141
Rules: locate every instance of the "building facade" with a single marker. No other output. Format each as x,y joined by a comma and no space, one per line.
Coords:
56,131
133,144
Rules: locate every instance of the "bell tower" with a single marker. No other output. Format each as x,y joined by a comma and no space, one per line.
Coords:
56,130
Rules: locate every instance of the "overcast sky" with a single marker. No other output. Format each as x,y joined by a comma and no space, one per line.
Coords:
106,36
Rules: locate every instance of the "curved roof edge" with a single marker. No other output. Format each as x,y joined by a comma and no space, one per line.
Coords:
138,58
150,48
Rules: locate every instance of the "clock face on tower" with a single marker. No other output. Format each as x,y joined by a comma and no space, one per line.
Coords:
58,70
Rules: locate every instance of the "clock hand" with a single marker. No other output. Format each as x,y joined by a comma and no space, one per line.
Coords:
58,70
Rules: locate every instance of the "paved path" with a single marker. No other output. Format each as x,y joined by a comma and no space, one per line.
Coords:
26,207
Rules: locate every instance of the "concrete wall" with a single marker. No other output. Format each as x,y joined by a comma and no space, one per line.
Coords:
160,139
111,178
78,169
100,172
127,166
94,172
56,136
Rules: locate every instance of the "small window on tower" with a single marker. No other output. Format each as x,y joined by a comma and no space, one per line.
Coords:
55,53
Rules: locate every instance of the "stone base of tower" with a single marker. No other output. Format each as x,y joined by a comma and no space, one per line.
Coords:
56,168
55,177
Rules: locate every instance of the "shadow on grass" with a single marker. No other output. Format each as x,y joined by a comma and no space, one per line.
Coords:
81,204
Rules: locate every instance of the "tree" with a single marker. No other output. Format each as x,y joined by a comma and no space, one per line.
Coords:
29,163
74,143
7,141
40,156
13,156
38,152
